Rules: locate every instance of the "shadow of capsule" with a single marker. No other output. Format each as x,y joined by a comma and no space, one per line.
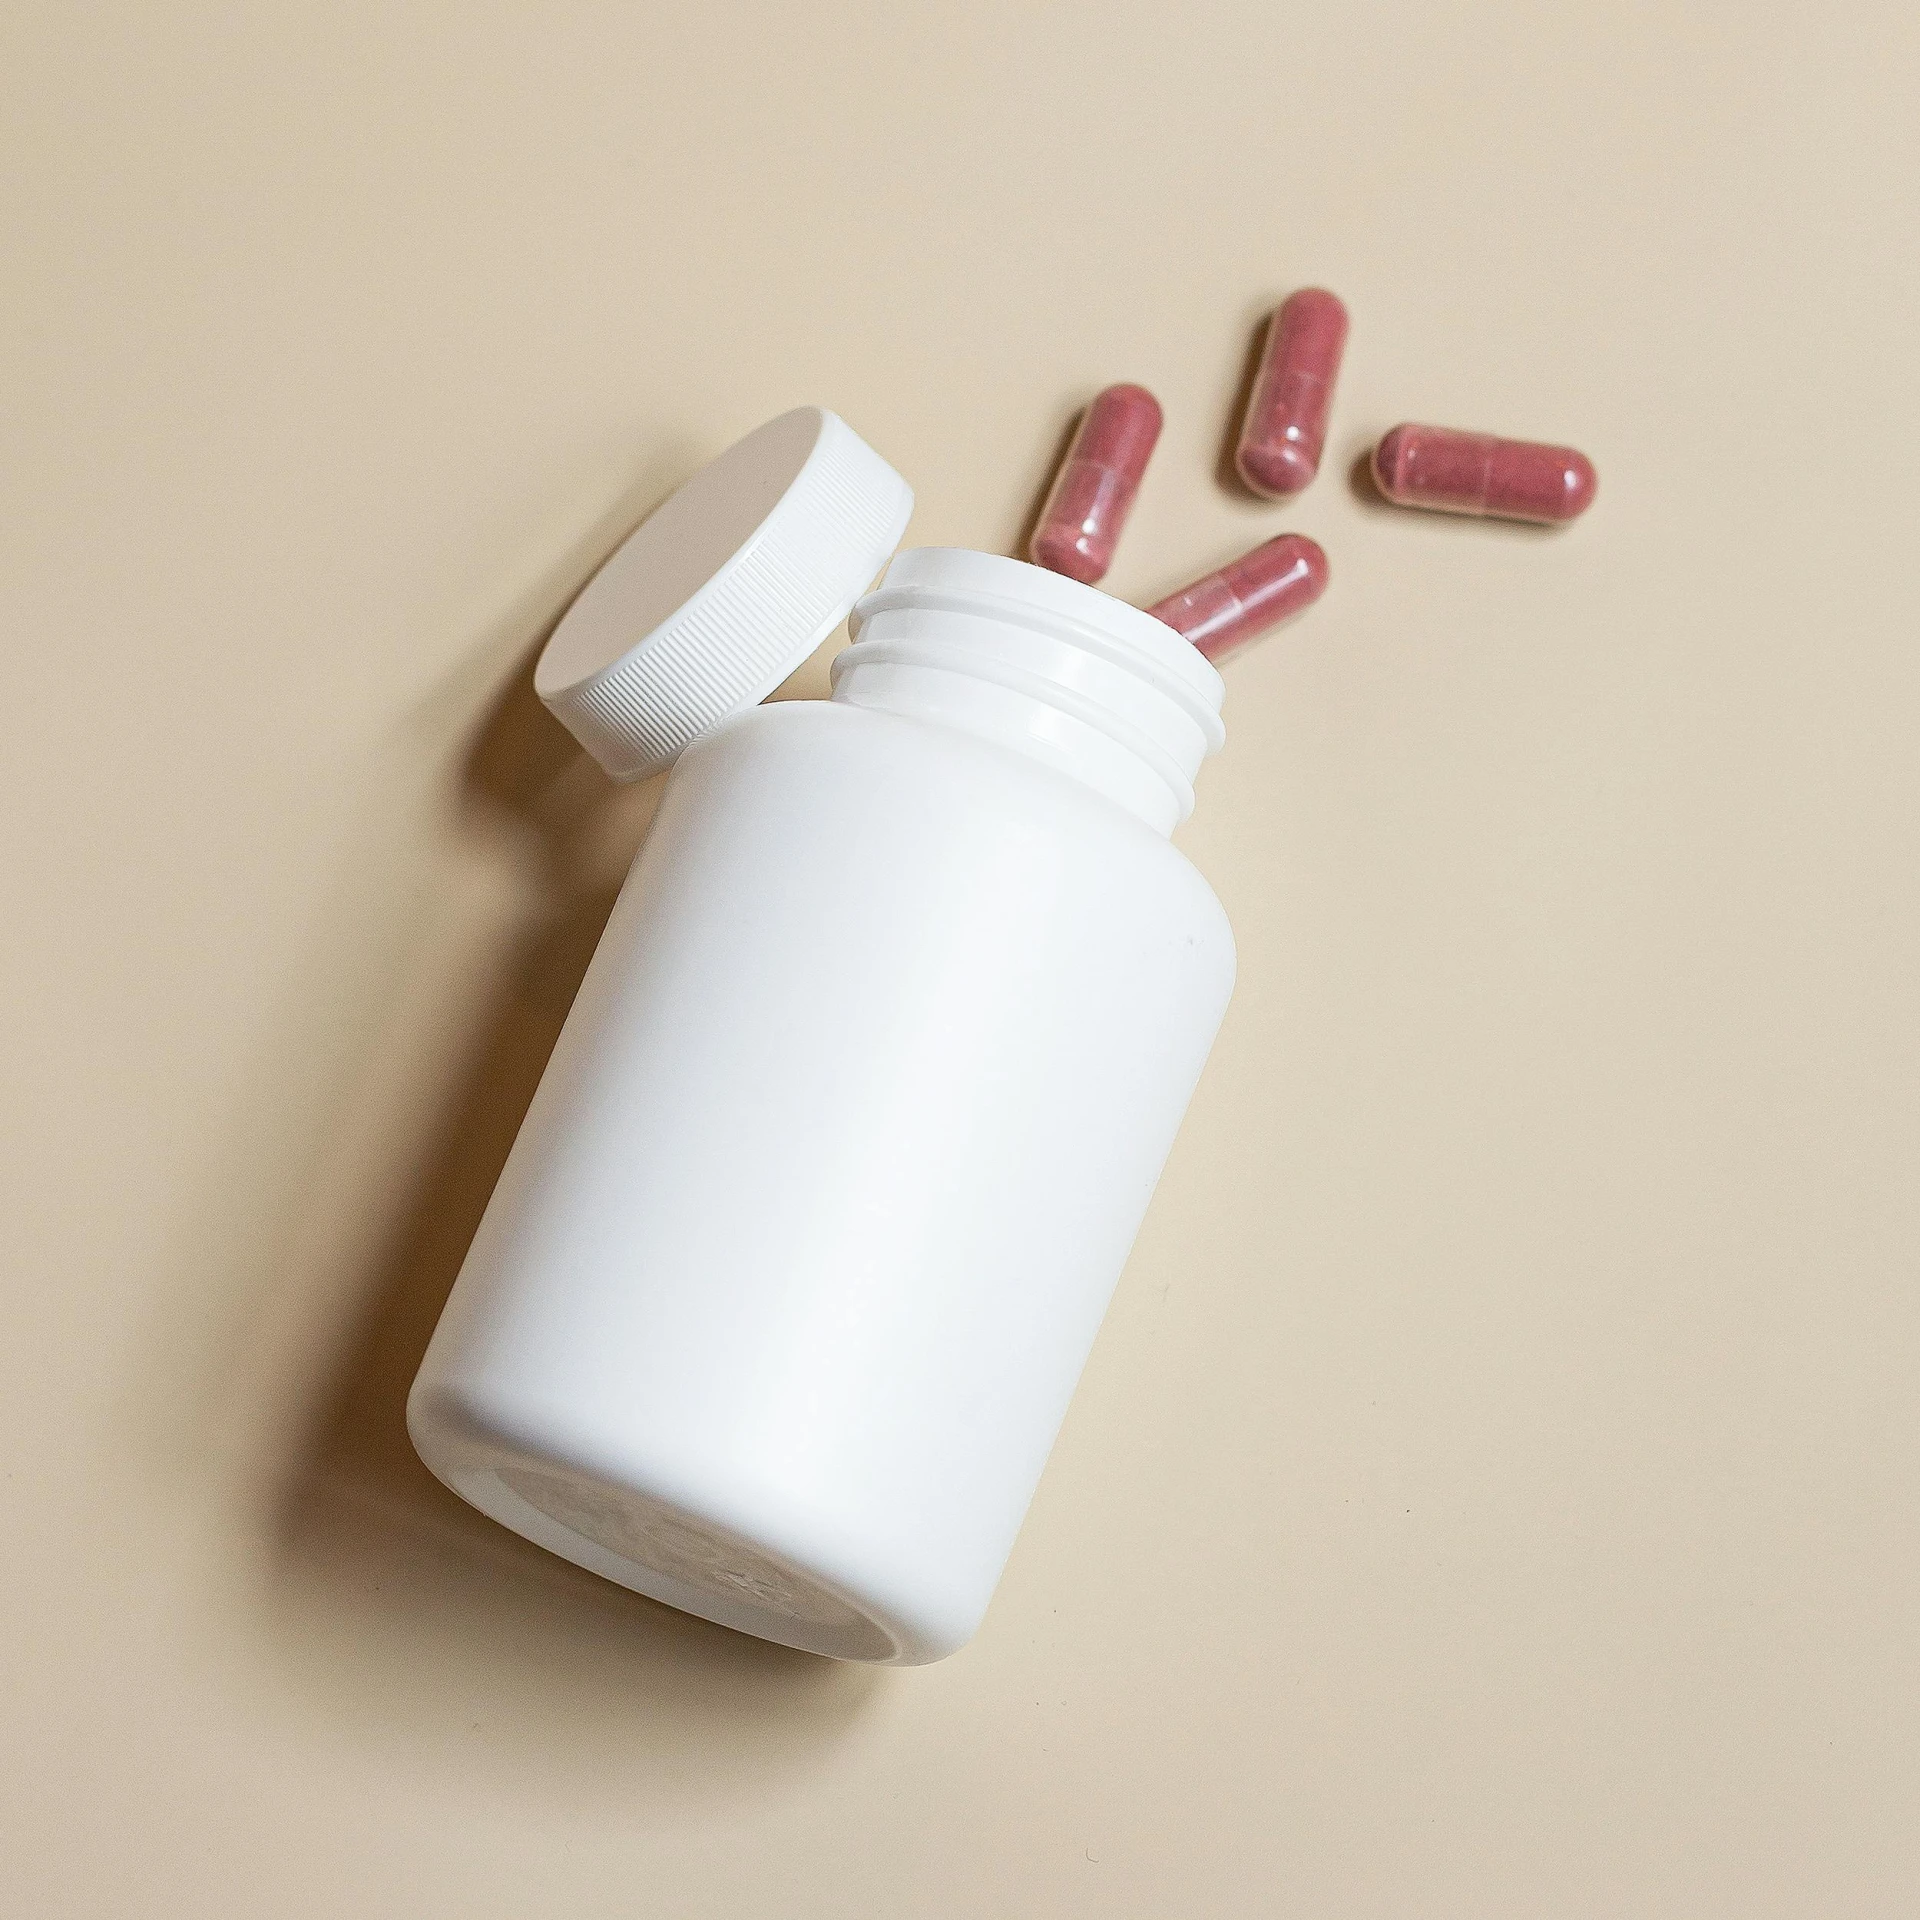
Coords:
1361,483
1226,469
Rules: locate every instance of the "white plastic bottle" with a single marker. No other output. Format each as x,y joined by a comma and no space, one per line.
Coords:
790,1275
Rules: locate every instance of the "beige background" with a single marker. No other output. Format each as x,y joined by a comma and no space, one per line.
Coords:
1494,1490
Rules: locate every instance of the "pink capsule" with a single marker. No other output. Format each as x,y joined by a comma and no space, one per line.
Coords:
1248,595
1093,491
1286,424
1475,473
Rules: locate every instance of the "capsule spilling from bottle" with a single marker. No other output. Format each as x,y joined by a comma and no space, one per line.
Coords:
1080,525
1225,610
1286,424
1476,473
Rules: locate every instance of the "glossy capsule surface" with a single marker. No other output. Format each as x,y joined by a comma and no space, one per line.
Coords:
1286,425
1247,596
1094,489
1478,473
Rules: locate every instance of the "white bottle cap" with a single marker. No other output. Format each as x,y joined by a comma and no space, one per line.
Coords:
722,591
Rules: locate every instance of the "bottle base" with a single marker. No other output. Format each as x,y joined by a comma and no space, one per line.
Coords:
671,1554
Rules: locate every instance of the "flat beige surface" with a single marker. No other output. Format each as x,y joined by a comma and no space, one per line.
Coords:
1494,1492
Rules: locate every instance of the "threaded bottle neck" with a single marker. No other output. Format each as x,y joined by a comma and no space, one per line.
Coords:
1060,672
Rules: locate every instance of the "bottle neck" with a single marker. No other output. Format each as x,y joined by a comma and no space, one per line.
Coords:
1057,671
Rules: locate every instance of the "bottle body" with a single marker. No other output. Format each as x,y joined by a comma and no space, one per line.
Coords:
787,1282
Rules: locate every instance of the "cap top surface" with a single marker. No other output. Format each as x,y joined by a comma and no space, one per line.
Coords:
722,590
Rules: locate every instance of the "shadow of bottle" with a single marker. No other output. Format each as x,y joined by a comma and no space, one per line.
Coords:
408,1600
